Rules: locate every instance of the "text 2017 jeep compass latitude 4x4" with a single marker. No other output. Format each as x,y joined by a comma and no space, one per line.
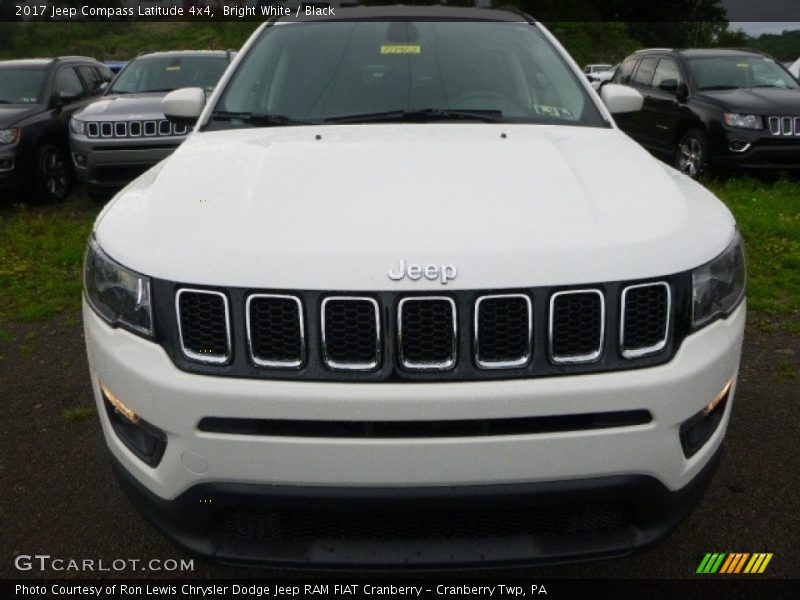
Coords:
388,304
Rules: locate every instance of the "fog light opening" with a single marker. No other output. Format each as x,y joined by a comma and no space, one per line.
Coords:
739,146
699,428
79,159
7,164
143,439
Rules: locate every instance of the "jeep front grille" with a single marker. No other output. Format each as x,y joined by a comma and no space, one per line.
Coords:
275,331
204,325
397,336
785,126
644,323
427,333
351,333
134,129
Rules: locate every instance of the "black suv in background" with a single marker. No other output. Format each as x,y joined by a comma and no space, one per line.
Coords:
37,99
718,109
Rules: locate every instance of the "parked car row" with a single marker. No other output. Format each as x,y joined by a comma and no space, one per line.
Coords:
71,117
714,109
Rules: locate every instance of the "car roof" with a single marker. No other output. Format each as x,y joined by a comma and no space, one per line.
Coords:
436,12
697,52
179,53
44,62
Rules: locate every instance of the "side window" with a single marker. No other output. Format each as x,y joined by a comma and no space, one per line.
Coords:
667,69
623,74
587,69
106,75
92,79
644,74
67,81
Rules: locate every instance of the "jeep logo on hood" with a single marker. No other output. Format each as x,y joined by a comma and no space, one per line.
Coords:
443,272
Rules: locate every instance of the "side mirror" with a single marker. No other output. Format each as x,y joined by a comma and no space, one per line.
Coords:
102,87
67,97
669,85
620,99
184,106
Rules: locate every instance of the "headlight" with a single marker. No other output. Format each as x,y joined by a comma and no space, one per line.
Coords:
9,136
119,295
743,121
718,286
77,127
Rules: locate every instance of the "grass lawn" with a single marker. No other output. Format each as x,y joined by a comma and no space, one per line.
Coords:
41,250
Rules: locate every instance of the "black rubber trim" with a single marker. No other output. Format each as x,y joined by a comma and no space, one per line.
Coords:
189,520
424,429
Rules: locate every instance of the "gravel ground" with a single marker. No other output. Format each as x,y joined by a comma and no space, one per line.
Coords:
58,495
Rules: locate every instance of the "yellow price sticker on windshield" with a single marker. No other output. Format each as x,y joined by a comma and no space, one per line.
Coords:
401,49
174,68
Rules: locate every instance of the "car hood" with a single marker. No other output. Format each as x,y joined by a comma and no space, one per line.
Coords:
506,205
10,115
760,101
124,107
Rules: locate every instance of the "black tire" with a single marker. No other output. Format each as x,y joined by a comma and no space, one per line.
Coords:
691,154
53,174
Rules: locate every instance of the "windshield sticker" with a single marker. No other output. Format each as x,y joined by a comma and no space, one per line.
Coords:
553,111
174,68
401,49
743,65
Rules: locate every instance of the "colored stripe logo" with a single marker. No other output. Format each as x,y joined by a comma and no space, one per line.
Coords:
734,563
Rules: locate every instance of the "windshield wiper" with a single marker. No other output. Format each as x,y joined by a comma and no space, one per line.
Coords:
422,116
257,119
718,87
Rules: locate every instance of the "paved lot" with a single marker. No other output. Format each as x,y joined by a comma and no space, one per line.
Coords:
58,496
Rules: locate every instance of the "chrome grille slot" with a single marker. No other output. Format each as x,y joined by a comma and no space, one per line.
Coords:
93,130
503,331
107,129
121,129
576,326
164,128
204,325
644,322
351,333
135,129
150,128
427,333
275,331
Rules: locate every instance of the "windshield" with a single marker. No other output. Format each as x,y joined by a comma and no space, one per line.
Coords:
167,73
732,72
21,85
431,70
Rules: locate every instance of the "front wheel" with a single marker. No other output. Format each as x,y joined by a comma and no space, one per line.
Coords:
54,173
691,155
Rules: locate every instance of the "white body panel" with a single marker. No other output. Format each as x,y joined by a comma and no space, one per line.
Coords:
276,208
142,375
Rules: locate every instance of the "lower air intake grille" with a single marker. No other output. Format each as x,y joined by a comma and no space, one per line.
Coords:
276,332
576,326
427,333
503,328
351,333
289,526
645,319
204,325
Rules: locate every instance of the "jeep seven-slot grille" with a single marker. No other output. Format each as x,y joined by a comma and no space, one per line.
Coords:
427,333
134,129
396,336
786,126
351,333
204,325
275,330
644,325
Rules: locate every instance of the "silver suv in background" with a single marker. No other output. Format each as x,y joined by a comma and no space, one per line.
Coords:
125,133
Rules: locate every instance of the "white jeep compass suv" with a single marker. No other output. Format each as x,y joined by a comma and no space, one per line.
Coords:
407,295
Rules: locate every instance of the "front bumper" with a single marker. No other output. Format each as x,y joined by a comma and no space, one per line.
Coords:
762,153
109,164
614,464
10,174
